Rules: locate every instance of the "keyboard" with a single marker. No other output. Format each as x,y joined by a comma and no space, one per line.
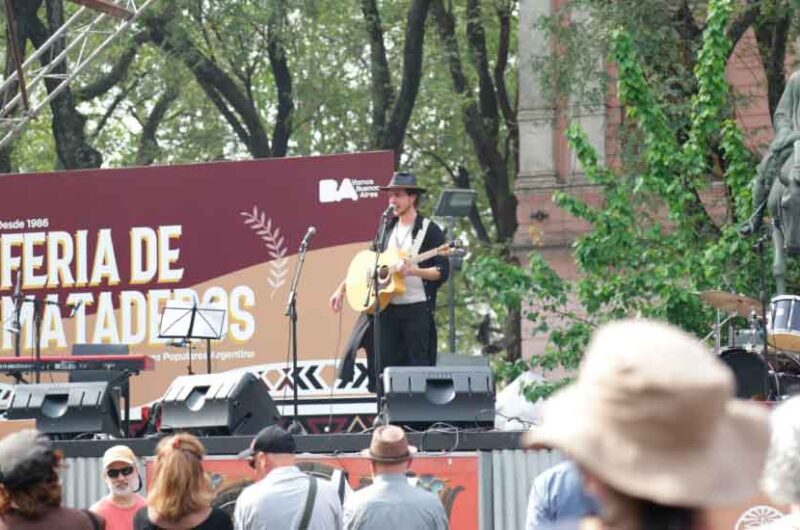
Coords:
141,363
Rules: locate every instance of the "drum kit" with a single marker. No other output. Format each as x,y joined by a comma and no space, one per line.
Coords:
765,356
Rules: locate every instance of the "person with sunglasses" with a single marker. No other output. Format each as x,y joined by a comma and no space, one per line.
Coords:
123,481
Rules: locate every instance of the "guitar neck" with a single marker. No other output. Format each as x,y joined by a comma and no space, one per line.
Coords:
424,255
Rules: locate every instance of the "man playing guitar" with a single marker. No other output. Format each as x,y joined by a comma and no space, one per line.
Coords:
408,330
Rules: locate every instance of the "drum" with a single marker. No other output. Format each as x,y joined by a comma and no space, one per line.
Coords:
749,371
783,323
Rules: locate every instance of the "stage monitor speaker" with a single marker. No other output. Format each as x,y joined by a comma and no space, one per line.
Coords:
67,410
116,377
418,396
218,404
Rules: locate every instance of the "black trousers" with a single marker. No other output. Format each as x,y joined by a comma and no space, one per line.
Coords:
405,335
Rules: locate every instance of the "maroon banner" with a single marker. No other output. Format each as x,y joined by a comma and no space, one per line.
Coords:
115,246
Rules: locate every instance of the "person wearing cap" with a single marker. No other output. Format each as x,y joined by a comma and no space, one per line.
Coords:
283,496
408,329
30,491
123,481
391,502
654,426
781,479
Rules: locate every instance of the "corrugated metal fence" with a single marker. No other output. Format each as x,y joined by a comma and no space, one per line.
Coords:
505,480
506,477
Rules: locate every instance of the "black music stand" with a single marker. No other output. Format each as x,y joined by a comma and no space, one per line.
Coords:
192,322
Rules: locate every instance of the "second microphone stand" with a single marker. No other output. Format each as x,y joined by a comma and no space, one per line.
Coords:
291,311
376,317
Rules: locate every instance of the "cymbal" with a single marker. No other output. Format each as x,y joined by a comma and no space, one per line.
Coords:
732,302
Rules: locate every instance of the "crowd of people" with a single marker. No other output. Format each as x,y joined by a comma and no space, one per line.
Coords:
653,434
656,440
180,495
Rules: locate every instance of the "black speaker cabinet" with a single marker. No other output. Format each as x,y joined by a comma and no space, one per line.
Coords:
218,404
67,409
418,396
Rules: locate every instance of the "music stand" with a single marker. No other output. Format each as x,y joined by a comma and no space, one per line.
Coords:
180,321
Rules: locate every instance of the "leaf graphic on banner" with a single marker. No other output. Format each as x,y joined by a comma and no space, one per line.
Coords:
273,240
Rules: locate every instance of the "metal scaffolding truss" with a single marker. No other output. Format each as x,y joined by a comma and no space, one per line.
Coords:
79,41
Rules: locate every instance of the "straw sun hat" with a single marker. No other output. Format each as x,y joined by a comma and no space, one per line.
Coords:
652,415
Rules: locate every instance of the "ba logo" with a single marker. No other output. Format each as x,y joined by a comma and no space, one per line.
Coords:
331,191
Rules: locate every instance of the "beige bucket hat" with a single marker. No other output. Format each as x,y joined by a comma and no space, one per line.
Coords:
652,414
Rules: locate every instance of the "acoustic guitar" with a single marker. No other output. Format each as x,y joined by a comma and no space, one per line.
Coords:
358,284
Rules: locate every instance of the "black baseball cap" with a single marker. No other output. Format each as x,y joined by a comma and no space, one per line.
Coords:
272,439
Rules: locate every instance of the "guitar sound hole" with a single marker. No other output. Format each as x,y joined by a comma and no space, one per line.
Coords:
383,273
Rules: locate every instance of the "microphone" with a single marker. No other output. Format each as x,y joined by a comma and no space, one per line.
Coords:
73,308
309,233
389,211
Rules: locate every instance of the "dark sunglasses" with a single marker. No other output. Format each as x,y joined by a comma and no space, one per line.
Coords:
124,471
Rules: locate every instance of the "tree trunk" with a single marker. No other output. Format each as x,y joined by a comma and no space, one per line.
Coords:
497,177
389,132
772,36
233,102
74,151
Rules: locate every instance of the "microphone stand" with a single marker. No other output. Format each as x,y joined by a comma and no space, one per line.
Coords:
38,314
18,299
291,311
376,321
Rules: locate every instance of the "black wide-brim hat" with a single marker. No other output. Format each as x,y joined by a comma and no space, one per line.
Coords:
403,181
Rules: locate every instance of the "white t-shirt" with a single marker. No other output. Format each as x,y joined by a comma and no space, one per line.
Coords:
401,239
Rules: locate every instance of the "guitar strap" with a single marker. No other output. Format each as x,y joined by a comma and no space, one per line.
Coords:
416,243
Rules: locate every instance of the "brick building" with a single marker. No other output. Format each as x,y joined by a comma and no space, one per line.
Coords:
547,164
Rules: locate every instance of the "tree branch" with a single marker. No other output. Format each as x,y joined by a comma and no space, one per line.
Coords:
215,82
772,37
148,144
412,75
741,24
74,152
476,42
503,101
100,86
283,83
502,201
111,108
382,93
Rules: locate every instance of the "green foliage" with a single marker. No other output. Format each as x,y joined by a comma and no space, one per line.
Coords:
655,240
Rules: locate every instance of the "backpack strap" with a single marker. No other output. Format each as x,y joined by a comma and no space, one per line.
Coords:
308,509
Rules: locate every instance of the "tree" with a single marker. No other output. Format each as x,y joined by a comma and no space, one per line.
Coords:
71,144
652,243
232,92
211,79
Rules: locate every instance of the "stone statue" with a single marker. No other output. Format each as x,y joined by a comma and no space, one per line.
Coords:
776,186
